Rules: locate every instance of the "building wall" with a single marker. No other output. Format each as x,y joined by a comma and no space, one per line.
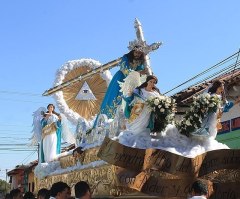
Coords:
31,186
17,180
230,133
14,183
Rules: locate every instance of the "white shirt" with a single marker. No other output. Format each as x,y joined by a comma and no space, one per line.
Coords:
198,197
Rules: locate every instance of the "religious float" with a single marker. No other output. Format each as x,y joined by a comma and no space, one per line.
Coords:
146,154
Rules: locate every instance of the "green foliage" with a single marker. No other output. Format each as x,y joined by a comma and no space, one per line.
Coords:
4,187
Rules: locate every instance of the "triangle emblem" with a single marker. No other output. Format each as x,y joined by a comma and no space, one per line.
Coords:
85,93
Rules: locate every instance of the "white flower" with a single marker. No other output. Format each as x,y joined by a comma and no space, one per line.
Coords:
159,106
168,100
188,123
207,95
211,105
161,97
200,120
150,98
156,101
162,110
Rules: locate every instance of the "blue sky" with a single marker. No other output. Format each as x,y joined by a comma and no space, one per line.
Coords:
38,37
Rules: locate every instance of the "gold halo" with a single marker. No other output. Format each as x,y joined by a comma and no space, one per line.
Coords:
98,86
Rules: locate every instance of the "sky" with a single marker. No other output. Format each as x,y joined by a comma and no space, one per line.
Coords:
38,37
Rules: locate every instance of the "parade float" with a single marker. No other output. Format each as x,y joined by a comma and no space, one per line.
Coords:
115,162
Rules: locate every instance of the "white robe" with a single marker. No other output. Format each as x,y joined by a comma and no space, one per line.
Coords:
198,197
50,141
137,134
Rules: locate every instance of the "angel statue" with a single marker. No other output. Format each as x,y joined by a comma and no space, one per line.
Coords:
49,128
140,118
212,121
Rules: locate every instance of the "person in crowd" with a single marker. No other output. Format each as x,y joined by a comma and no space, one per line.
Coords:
28,195
16,194
69,193
199,190
59,190
140,117
7,196
82,190
51,134
43,194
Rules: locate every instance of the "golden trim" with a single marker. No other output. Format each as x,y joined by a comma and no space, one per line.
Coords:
49,129
88,156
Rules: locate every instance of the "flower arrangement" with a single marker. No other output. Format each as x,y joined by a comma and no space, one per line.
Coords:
202,105
163,111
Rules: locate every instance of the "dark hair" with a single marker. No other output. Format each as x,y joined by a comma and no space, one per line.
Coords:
144,84
53,110
199,187
58,187
45,193
28,195
81,188
7,196
215,85
14,193
131,57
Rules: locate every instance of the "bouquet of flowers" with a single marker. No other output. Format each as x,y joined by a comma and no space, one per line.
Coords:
202,106
163,111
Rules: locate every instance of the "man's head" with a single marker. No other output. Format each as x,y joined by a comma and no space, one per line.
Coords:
7,196
28,195
59,190
43,194
82,190
16,194
199,188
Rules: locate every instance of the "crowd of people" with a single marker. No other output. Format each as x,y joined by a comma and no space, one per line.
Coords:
58,190
61,190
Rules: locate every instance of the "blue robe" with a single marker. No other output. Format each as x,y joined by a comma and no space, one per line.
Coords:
113,96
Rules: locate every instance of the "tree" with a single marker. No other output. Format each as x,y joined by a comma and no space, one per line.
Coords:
4,187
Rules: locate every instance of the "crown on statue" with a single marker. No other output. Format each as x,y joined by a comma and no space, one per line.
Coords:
137,45
142,46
